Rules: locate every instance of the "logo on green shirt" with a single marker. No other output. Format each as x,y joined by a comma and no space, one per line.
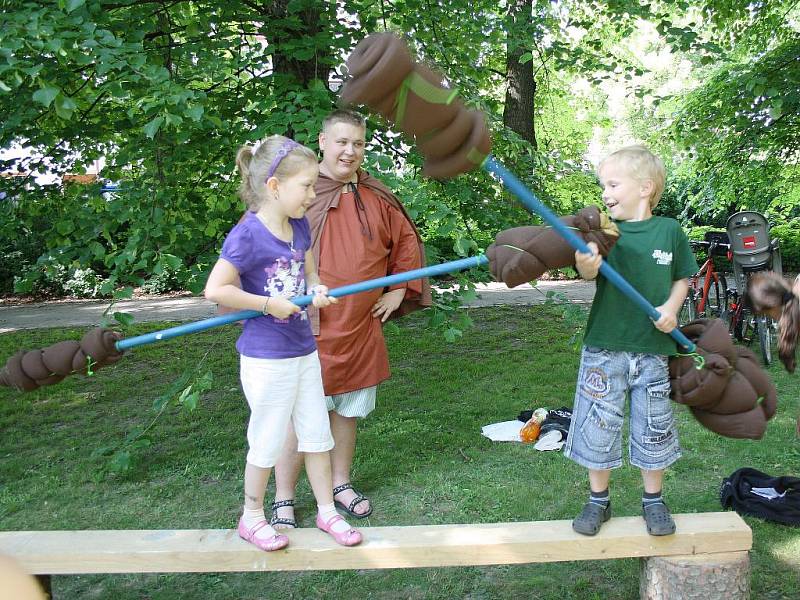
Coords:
662,257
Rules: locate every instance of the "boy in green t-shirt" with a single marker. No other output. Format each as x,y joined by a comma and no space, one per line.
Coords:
625,353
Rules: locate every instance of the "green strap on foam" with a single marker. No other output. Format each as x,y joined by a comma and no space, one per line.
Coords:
476,157
699,360
432,94
425,90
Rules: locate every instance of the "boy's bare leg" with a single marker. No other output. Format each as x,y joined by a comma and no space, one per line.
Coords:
652,480
598,479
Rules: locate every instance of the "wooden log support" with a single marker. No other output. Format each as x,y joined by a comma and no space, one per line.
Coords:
724,576
220,550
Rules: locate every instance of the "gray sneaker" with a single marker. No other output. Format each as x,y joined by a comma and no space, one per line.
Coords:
591,518
658,519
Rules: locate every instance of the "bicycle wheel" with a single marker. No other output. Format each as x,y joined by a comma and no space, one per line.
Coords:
729,309
735,324
717,302
688,311
765,338
747,327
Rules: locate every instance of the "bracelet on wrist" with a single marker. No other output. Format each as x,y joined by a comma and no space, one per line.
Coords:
266,304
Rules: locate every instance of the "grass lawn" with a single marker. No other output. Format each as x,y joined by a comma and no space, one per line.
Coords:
420,457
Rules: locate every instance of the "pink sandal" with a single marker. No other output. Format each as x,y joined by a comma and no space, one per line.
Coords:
351,537
268,544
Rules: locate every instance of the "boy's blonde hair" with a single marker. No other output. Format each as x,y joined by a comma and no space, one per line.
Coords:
255,161
640,164
344,115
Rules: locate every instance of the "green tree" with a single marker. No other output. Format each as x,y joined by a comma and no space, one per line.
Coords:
733,133
165,92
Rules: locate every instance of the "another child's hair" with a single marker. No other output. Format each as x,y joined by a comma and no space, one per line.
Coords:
767,291
254,164
344,115
640,164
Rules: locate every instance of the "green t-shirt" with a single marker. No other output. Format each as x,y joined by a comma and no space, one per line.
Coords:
650,255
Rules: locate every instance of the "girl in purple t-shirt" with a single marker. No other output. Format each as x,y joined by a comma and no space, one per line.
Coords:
269,252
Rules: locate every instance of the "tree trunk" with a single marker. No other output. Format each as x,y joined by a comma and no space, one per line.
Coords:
285,62
521,90
724,576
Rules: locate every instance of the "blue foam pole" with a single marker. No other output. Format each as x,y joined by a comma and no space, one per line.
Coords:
535,205
345,290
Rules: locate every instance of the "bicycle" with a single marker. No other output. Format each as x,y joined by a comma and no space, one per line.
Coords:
751,251
744,325
711,300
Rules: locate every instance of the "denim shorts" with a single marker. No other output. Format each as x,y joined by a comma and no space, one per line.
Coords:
605,379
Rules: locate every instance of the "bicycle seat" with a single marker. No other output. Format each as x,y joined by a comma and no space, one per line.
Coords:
718,242
748,232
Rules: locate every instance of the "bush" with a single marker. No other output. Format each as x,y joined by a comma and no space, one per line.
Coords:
45,278
167,280
171,274
789,235
21,244
84,283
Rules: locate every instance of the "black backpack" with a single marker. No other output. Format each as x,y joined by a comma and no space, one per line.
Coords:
751,492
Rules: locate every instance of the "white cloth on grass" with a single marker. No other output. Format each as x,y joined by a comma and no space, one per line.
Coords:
507,431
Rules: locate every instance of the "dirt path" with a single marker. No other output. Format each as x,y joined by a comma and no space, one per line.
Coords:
192,308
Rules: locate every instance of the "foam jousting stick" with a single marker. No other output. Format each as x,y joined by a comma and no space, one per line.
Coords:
28,370
383,76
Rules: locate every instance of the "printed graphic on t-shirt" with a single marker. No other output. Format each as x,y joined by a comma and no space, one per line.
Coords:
285,278
662,257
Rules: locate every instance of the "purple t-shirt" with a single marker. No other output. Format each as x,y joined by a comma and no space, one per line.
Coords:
271,267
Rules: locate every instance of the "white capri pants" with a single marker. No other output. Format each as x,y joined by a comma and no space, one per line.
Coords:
280,389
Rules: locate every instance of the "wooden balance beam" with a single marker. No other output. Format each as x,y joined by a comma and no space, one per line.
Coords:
701,539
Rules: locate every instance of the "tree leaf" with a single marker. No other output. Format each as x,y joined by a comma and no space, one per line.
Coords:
452,334
46,95
123,293
65,106
124,318
195,113
120,462
73,4
153,126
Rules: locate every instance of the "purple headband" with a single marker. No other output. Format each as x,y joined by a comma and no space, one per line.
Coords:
282,153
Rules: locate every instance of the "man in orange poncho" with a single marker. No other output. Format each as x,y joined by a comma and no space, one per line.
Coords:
360,231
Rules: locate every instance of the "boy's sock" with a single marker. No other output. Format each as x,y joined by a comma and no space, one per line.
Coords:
649,499
327,512
253,516
600,498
